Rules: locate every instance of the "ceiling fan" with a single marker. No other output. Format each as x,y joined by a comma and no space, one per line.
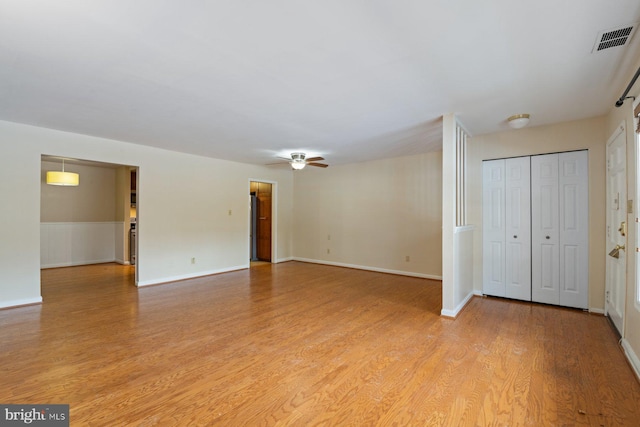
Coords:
299,161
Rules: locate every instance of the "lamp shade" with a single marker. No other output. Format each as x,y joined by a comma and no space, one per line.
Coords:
518,121
63,178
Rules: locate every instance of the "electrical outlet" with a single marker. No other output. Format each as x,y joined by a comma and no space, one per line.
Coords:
229,212
328,236
407,258
193,260
328,251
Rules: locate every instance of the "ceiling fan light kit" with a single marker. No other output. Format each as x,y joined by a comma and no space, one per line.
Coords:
518,121
299,160
296,165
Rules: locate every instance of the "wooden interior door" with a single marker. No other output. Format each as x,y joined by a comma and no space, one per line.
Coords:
263,241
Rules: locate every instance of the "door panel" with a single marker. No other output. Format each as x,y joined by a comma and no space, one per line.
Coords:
493,241
616,214
574,228
571,275
547,262
496,257
545,268
518,228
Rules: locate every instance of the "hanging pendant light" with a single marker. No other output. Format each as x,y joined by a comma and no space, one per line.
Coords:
63,178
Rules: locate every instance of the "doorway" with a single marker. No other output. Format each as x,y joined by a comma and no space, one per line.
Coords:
90,222
616,227
261,194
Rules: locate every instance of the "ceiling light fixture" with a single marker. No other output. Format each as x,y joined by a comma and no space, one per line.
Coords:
297,164
518,121
298,161
67,179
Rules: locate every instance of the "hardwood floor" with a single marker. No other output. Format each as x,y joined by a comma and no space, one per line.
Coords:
304,344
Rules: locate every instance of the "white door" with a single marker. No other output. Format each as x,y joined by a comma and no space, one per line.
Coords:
545,261
493,227
518,228
573,194
616,215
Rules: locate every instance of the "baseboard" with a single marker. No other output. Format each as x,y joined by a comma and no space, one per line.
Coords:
367,268
122,262
596,310
454,313
163,280
283,260
20,302
75,264
632,357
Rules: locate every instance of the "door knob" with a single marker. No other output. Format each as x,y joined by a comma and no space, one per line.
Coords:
547,237
615,252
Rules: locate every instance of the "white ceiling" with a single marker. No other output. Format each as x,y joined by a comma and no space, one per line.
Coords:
349,80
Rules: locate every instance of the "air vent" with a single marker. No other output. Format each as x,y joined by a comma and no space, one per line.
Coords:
614,37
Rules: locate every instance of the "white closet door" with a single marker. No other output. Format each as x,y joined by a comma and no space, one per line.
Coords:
545,265
574,228
493,227
518,228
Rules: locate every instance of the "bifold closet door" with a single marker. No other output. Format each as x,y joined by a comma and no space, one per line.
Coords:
518,228
493,227
545,262
574,228
559,224
507,228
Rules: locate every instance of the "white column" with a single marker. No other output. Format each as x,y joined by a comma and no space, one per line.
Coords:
448,213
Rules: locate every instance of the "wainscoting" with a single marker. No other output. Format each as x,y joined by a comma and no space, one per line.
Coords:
65,244
462,268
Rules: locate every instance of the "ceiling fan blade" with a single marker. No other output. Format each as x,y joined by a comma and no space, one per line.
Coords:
277,164
314,159
319,165
284,158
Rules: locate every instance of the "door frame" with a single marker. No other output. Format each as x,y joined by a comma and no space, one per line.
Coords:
274,218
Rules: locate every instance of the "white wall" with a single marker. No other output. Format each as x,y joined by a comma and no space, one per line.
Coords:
372,215
183,204
582,134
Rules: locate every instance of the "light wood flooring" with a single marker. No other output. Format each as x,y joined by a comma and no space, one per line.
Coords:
303,344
